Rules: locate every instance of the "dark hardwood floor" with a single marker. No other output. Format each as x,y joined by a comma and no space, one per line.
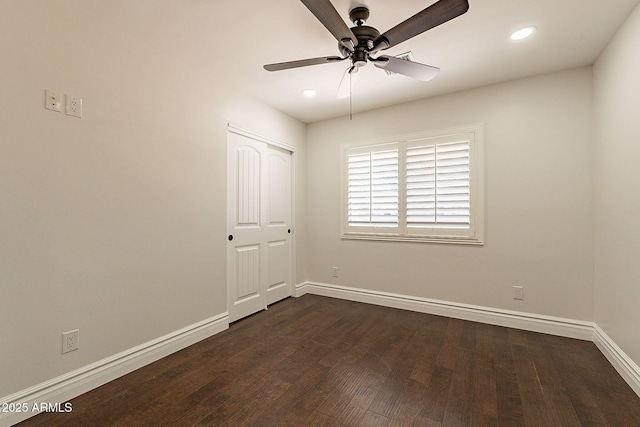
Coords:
317,361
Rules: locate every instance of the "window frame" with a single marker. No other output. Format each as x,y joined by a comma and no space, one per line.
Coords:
474,235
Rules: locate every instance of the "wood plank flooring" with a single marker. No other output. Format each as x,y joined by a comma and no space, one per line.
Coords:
317,361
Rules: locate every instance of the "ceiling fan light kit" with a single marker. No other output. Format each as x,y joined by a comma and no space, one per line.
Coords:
360,42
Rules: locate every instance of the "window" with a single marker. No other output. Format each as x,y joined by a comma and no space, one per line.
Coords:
420,188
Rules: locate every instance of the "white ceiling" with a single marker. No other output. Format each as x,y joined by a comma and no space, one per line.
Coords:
236,38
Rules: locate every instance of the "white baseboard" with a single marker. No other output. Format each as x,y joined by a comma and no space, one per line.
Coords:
569,328
626,367
75,383
512,319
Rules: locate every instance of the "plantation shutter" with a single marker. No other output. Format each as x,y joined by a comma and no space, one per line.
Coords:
418,188
438,186
372,188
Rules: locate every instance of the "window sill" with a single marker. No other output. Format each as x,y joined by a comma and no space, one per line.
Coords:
451,240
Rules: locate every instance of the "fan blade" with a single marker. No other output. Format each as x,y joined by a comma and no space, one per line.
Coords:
329,17
436,14
407,68
347,83
302,63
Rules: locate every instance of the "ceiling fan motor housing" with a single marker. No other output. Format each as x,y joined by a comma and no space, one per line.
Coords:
365,35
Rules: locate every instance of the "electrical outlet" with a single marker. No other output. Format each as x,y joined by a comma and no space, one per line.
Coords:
74,106
70,341
52,100
334,271
518,292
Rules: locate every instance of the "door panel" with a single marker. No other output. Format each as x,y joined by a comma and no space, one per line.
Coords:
248,271
259,225
278,283
279,182
248,186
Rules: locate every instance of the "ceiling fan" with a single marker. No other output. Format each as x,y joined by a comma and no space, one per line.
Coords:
361,42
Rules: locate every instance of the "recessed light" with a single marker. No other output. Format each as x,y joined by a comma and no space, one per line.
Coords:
522,33
309,92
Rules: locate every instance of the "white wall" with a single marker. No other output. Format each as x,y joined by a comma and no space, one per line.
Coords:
617,188
113,223
538,199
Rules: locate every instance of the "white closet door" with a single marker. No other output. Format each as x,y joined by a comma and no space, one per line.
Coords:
259,225
278,224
